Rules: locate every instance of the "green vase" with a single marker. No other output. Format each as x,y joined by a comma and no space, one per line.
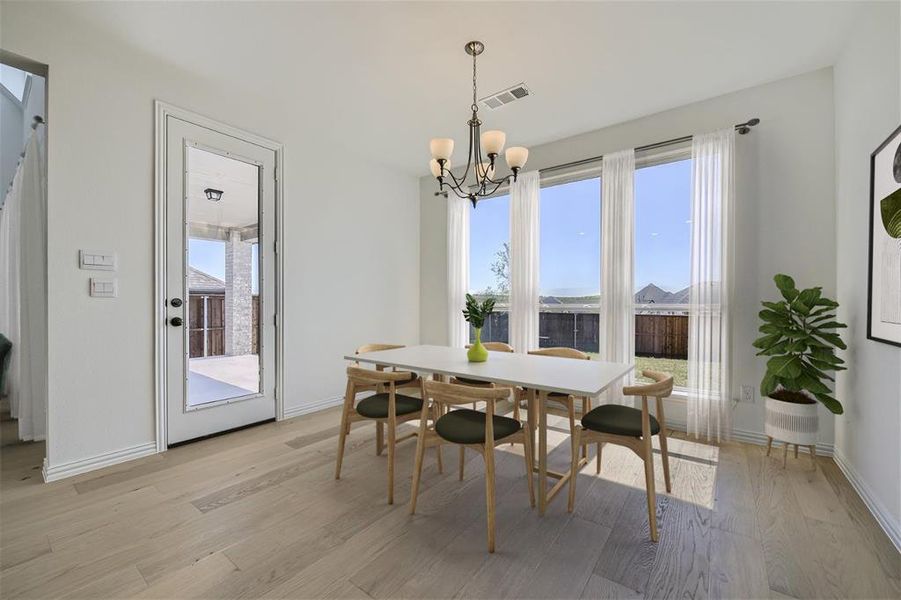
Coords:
477,352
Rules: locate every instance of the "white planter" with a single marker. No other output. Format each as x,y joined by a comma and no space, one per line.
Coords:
792,423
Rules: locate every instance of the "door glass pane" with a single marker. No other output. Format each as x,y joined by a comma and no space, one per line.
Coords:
222,276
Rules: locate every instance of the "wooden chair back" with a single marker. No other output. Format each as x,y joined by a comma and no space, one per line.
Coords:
661,388
368,377
453,393
561,352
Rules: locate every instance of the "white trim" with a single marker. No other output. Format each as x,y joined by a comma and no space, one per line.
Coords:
162,110
305,409
891,527
83,465
752,437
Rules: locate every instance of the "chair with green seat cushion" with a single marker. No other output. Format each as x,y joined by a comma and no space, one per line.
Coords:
632,428
465,426
481,431
376,406
387,409
618,420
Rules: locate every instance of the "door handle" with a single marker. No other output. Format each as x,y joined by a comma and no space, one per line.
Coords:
176,321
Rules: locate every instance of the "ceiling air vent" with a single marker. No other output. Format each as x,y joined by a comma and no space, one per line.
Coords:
506,96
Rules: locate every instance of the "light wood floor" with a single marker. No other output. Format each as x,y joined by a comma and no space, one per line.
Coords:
258,514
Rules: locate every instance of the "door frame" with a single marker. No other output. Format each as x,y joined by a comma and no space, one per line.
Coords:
162,111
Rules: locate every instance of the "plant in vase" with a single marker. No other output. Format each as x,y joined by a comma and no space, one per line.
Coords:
475,314
799,337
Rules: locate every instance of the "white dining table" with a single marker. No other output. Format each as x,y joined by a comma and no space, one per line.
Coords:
539,375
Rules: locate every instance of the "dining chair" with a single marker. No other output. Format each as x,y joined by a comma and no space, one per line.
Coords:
568,401
386,408
412,382
481,431
514,391
632,428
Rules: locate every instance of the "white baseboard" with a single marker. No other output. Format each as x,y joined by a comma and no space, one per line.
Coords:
752,437
77,467
891,527
311,407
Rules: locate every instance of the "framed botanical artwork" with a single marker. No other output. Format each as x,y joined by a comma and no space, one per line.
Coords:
884,304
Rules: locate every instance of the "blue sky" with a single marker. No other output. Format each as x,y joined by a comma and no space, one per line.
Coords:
209,257
570,233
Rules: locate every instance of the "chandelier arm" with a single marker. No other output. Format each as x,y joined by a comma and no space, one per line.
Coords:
458,193
457,182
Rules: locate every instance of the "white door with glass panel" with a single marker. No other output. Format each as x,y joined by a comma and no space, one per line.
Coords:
220,282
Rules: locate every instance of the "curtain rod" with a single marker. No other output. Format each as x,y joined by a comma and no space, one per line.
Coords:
741,128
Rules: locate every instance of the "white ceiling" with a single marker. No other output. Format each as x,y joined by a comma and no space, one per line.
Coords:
383,78
239,182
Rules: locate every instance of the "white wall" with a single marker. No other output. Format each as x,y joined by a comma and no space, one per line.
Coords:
351,245
785,215
867,110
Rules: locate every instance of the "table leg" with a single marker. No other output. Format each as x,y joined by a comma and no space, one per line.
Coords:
542,453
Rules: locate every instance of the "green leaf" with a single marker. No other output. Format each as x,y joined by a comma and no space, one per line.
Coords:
772,316
784,366
826,302
768,385
834,406
767,341
770,328
812,384
831,325
784,282
797,346
780,307
832,338
801,308
778,348
810,296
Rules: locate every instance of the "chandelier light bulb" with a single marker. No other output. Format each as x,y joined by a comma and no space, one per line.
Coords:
493,142
516,157
441,148
435,167
485,170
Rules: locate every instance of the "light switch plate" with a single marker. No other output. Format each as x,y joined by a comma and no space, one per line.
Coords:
747,394
104,288
96,260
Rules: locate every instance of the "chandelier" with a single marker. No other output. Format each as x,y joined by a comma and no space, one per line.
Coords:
482,183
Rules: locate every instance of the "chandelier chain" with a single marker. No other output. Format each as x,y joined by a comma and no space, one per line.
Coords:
475,107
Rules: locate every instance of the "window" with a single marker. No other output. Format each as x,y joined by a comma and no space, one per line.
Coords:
662,267
570,265
489,263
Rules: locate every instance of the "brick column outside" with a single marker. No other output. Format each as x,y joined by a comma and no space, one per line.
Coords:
238,296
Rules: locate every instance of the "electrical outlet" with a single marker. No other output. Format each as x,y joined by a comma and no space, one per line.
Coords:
747,393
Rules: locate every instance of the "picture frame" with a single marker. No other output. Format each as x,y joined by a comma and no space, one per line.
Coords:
884,277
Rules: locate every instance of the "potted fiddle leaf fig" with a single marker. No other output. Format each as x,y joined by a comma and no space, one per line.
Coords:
799,337
475,314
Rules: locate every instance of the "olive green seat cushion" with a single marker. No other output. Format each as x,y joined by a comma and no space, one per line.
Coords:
618,420
376,406
467,381
466,426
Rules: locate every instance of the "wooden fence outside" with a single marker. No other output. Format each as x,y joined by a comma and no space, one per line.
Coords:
656,335
214,329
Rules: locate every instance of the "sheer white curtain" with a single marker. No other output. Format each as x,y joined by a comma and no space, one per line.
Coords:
712,196
457,270
524,233
617,330
23,290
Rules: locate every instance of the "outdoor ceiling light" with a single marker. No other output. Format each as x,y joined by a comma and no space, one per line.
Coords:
214,195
